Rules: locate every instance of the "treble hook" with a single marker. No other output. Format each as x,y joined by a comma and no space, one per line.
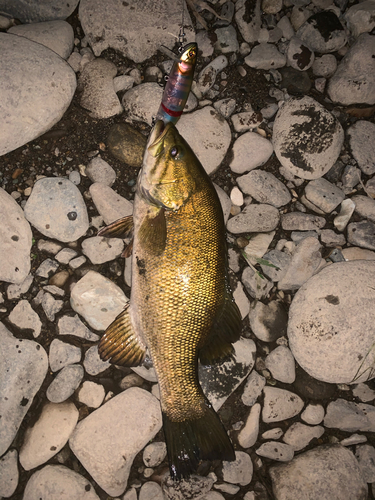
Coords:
181,38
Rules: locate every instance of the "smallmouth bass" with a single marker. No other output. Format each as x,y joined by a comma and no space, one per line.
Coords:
181,305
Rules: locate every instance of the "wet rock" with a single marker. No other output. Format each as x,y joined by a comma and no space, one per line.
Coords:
250,151
109,204
362,144
9,473
274,450
65,383
126,144
295,82
240,471
326,339
298,436
362,234
23,366
280,404
24,317
350,417
260,218
280,363
268,321
307,139
99,170
120,428
323,32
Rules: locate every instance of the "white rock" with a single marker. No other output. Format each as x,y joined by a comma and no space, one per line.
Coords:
258,246
299,56
57,482
56,35
39,81
265,188
23,366
100,250
225,202
72,325
307,138
65,255
65,383
265,56
280,363
99,170
256,285
313,414
92,362
208,134
363,392
247,120
154,454
151,491
240,471
350,417
241,300
109,204
280,404
353,439
253,388
236,197
330,323
62,354
298,436
323,32
365,455
276,451
360,17
141,103
346,211
250,151
48,435
362,144
207,76
260,218
56,208
97,299
325,65
8,474
120,428
273,434
24,317
248,435
91,394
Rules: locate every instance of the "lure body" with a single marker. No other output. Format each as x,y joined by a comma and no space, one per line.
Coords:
178,86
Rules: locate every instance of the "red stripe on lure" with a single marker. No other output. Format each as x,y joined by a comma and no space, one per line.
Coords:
178,86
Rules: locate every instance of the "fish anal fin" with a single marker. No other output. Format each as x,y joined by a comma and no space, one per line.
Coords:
226,330
120,228
120,344
153,233
191,441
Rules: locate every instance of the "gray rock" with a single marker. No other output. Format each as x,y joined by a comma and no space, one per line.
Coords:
256,284
72,325
353,439
55,35
8,473
225,107
328,472
91,394
299,56
62,354
332,239
362,234
16,291
280,260
257,247
49,10
226,40
154,454
280,363
323,194
248,20
215,380
248,434
260,218
47,268
265,56
136,30
120,428
65,383
350,417
51,306
280,405
307,138
323,32
207,77
208,134
39,81
151,491
56,208
350,178
109,204
141,103
240,471
24,317
360,17
225,202
365,207
363,392
356,253
195,486
49,434
126,144
253,388
274,450
98,92
313,414
97,299
344,87
99,170
298,221
325,65
265,188
92,362
298,436
365,454
100,250
65,255
268,321
346,211
57,482
330,323
23,366
15,241
250,151
362,143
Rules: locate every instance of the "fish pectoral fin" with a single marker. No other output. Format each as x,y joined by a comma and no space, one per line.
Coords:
226,330
153,233
128,250
121,228
120,343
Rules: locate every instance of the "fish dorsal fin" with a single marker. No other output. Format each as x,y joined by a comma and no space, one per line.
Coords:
121,228
153,232
226,330
120,343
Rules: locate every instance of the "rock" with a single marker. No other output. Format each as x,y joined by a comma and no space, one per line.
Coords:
66,255
194,487
62,354
363,392
154,454
356,253
208,134
280,404
324,473
215,380
276,451
299,56
51,306
307,139
313,414
365,455
265,56
24,317
136,30
256,285
253,388
323,194
72,325
15,241
15,291
353,439
47,268
236,197
109,204
151,491
56,209
9,474
297,221
323,32
99,170
107,441
268,321
248,435
39,81
91,394
56,35
207,77
225,107
97,299
49,434
247,120
100,250
365,207
240,471
123,82
350,178
47,11
248,20
226,40
280,363
295,82
260,218
332,239
344,86
225,202
362,143
360,17
65,383
250,151
57,482
280,260
93,363
325,65
298,436
141,103
350,417
346,211
362,234
265,188
23,366
257,247
329,341
126,144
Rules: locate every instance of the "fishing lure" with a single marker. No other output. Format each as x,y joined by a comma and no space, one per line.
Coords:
178,86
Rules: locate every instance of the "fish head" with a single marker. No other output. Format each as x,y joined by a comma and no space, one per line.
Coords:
167,176
188,57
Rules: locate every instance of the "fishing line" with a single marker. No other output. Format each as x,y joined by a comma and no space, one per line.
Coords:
181,35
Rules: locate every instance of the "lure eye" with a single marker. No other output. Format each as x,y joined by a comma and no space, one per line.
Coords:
174,151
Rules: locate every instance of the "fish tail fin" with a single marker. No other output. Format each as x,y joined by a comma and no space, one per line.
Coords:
190,441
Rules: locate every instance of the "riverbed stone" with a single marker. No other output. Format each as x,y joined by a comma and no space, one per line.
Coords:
9,473
250,151
24,317
259,218
126,144
265,188
280,404
362,234
65,383
109,204
362,143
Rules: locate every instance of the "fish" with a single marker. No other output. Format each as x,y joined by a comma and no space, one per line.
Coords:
177,89
181,307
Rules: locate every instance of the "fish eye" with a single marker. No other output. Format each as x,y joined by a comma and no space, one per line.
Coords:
191,53
174,151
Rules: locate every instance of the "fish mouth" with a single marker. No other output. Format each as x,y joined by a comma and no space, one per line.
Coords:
155,143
